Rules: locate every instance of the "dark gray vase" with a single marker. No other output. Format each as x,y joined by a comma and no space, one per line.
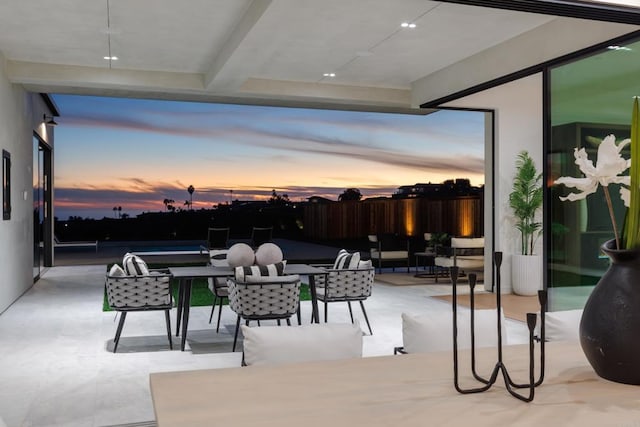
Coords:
610,325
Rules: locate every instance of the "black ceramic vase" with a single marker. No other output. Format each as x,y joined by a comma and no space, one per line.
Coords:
610,325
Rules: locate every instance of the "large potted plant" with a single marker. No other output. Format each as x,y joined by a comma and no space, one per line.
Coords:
525,200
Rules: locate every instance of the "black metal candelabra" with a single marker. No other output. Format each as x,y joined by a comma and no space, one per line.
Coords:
510,385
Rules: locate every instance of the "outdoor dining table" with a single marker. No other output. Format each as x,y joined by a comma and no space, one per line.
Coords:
186,275
413,390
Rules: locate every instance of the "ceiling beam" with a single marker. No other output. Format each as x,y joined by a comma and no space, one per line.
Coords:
252,15
75,76
571,9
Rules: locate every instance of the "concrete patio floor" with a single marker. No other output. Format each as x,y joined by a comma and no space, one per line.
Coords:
57,368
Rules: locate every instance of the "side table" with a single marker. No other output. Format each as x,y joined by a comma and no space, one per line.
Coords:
428,261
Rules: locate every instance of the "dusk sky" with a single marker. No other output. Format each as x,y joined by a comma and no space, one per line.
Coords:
136,153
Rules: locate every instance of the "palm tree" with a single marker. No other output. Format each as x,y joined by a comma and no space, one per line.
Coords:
190,189
115,208
168,204
119,211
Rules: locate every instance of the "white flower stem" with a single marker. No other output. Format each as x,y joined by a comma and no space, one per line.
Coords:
613,218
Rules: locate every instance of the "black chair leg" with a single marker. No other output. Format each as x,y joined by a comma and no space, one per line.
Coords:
219,315
235,337
213,307
288,322
299,315
123,316
166,317
365,317
325,311
278,320
350,311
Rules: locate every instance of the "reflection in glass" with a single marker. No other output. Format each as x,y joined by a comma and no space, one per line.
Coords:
590,98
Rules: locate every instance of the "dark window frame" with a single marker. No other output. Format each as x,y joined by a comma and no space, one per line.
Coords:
6,185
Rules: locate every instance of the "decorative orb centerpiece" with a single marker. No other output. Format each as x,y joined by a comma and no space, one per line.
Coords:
240,255
268,253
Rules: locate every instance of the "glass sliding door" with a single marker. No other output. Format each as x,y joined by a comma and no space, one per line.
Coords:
41,155
590,98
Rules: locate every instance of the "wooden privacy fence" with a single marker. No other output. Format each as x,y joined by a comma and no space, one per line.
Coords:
460,216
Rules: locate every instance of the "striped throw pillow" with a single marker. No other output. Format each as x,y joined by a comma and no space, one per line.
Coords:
269,270
134,265
346,260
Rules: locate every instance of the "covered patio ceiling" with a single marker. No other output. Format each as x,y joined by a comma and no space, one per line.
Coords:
280,52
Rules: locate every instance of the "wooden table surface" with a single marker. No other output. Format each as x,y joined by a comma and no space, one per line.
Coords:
404,390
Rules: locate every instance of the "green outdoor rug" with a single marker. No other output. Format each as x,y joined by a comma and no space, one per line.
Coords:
201,295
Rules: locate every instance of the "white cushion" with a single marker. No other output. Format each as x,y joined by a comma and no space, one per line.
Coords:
269,345
116,271
290,278
467,242
389,254
346,260
243,274
240,255
434,332
268,253
561,325
218,257
365,265
134,265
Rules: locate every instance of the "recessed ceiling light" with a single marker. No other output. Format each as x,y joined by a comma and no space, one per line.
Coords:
329,74
112,58
408,25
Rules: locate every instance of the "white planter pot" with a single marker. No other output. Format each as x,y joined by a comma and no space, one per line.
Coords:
526,274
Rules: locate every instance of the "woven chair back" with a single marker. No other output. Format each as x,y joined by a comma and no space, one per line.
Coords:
267,300
138,292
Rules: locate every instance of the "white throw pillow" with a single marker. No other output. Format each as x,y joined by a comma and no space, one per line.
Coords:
434,332
268,253
116,271
269,345
346,260
240,255
134,265
561,325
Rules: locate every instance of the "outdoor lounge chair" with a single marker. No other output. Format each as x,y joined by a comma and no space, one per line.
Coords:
76,244
139,293
388,248
466,253
346,285
260,235
218,285
265,298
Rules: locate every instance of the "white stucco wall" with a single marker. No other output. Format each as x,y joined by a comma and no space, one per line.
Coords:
518,126
558,37
20,114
